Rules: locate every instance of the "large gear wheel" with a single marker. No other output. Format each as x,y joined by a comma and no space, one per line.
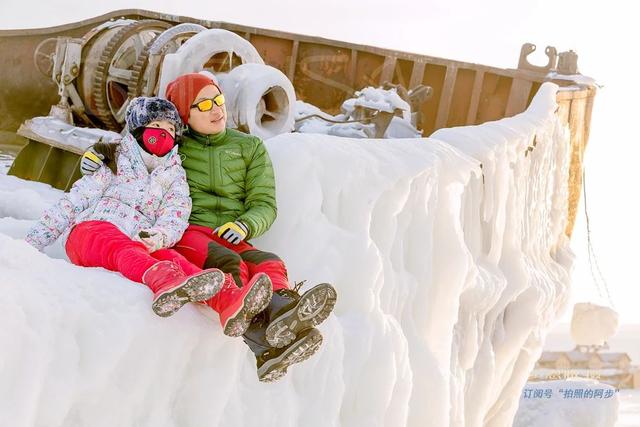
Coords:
144,78
114,71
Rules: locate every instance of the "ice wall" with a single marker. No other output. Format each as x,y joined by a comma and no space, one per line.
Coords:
513,220
449,258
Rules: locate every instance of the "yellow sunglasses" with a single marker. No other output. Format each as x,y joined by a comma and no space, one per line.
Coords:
207,104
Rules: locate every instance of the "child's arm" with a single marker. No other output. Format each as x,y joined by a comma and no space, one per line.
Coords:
173,213
98,154
60,216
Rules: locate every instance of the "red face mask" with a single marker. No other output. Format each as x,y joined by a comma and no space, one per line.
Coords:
157,141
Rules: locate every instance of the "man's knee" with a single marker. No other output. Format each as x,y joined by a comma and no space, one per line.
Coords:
220,257
258,257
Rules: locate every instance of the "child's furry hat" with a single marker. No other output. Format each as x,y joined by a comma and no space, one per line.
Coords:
144,110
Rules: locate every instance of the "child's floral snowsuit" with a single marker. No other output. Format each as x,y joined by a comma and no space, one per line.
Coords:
132,200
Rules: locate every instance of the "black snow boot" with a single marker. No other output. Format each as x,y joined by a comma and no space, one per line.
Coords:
272,363
290,313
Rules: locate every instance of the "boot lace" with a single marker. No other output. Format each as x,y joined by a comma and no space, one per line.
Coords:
298,285
292,293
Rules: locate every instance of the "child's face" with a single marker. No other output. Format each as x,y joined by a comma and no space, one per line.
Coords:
163,124
208,122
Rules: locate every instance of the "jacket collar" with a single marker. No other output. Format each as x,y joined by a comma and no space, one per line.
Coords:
206,139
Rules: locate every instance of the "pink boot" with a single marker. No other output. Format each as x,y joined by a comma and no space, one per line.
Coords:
237,306
172,288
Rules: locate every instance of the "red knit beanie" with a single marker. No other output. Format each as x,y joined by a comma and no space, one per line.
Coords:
183,91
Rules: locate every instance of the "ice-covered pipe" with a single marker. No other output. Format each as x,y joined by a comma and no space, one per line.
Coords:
192,56
260,100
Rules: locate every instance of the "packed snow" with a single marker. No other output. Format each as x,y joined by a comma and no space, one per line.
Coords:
579,79
629,412
448,254
571,403
64,134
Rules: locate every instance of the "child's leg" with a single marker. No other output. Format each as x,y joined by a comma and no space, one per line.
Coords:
102,244
172,255
199,246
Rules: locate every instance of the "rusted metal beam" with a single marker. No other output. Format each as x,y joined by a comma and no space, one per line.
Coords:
388,69
472,113
417,74
445,98
518,97
291,71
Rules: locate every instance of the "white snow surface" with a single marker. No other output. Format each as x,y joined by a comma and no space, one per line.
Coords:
629,413
579,79
376,99
63,133
570,403
448,275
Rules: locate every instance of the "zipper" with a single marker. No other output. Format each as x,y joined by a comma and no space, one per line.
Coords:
211,179
213,176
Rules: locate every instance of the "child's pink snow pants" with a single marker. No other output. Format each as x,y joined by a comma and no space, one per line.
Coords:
102,244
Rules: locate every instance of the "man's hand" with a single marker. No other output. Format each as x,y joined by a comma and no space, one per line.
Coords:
232,232
91,161
153,239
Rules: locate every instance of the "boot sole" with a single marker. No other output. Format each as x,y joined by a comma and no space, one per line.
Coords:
197,288
274,369
256,300
314,307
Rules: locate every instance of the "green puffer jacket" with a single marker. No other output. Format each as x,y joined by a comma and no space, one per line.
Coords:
230,178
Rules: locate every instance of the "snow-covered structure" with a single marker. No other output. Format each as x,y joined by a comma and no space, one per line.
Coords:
450,258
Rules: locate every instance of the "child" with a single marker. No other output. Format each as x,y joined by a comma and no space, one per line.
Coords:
125,220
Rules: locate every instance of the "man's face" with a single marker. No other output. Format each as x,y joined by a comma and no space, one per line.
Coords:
208,122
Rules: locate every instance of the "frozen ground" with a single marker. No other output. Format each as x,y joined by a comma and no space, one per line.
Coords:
629,412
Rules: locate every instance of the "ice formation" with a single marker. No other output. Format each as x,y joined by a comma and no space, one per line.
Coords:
259,98
448,254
